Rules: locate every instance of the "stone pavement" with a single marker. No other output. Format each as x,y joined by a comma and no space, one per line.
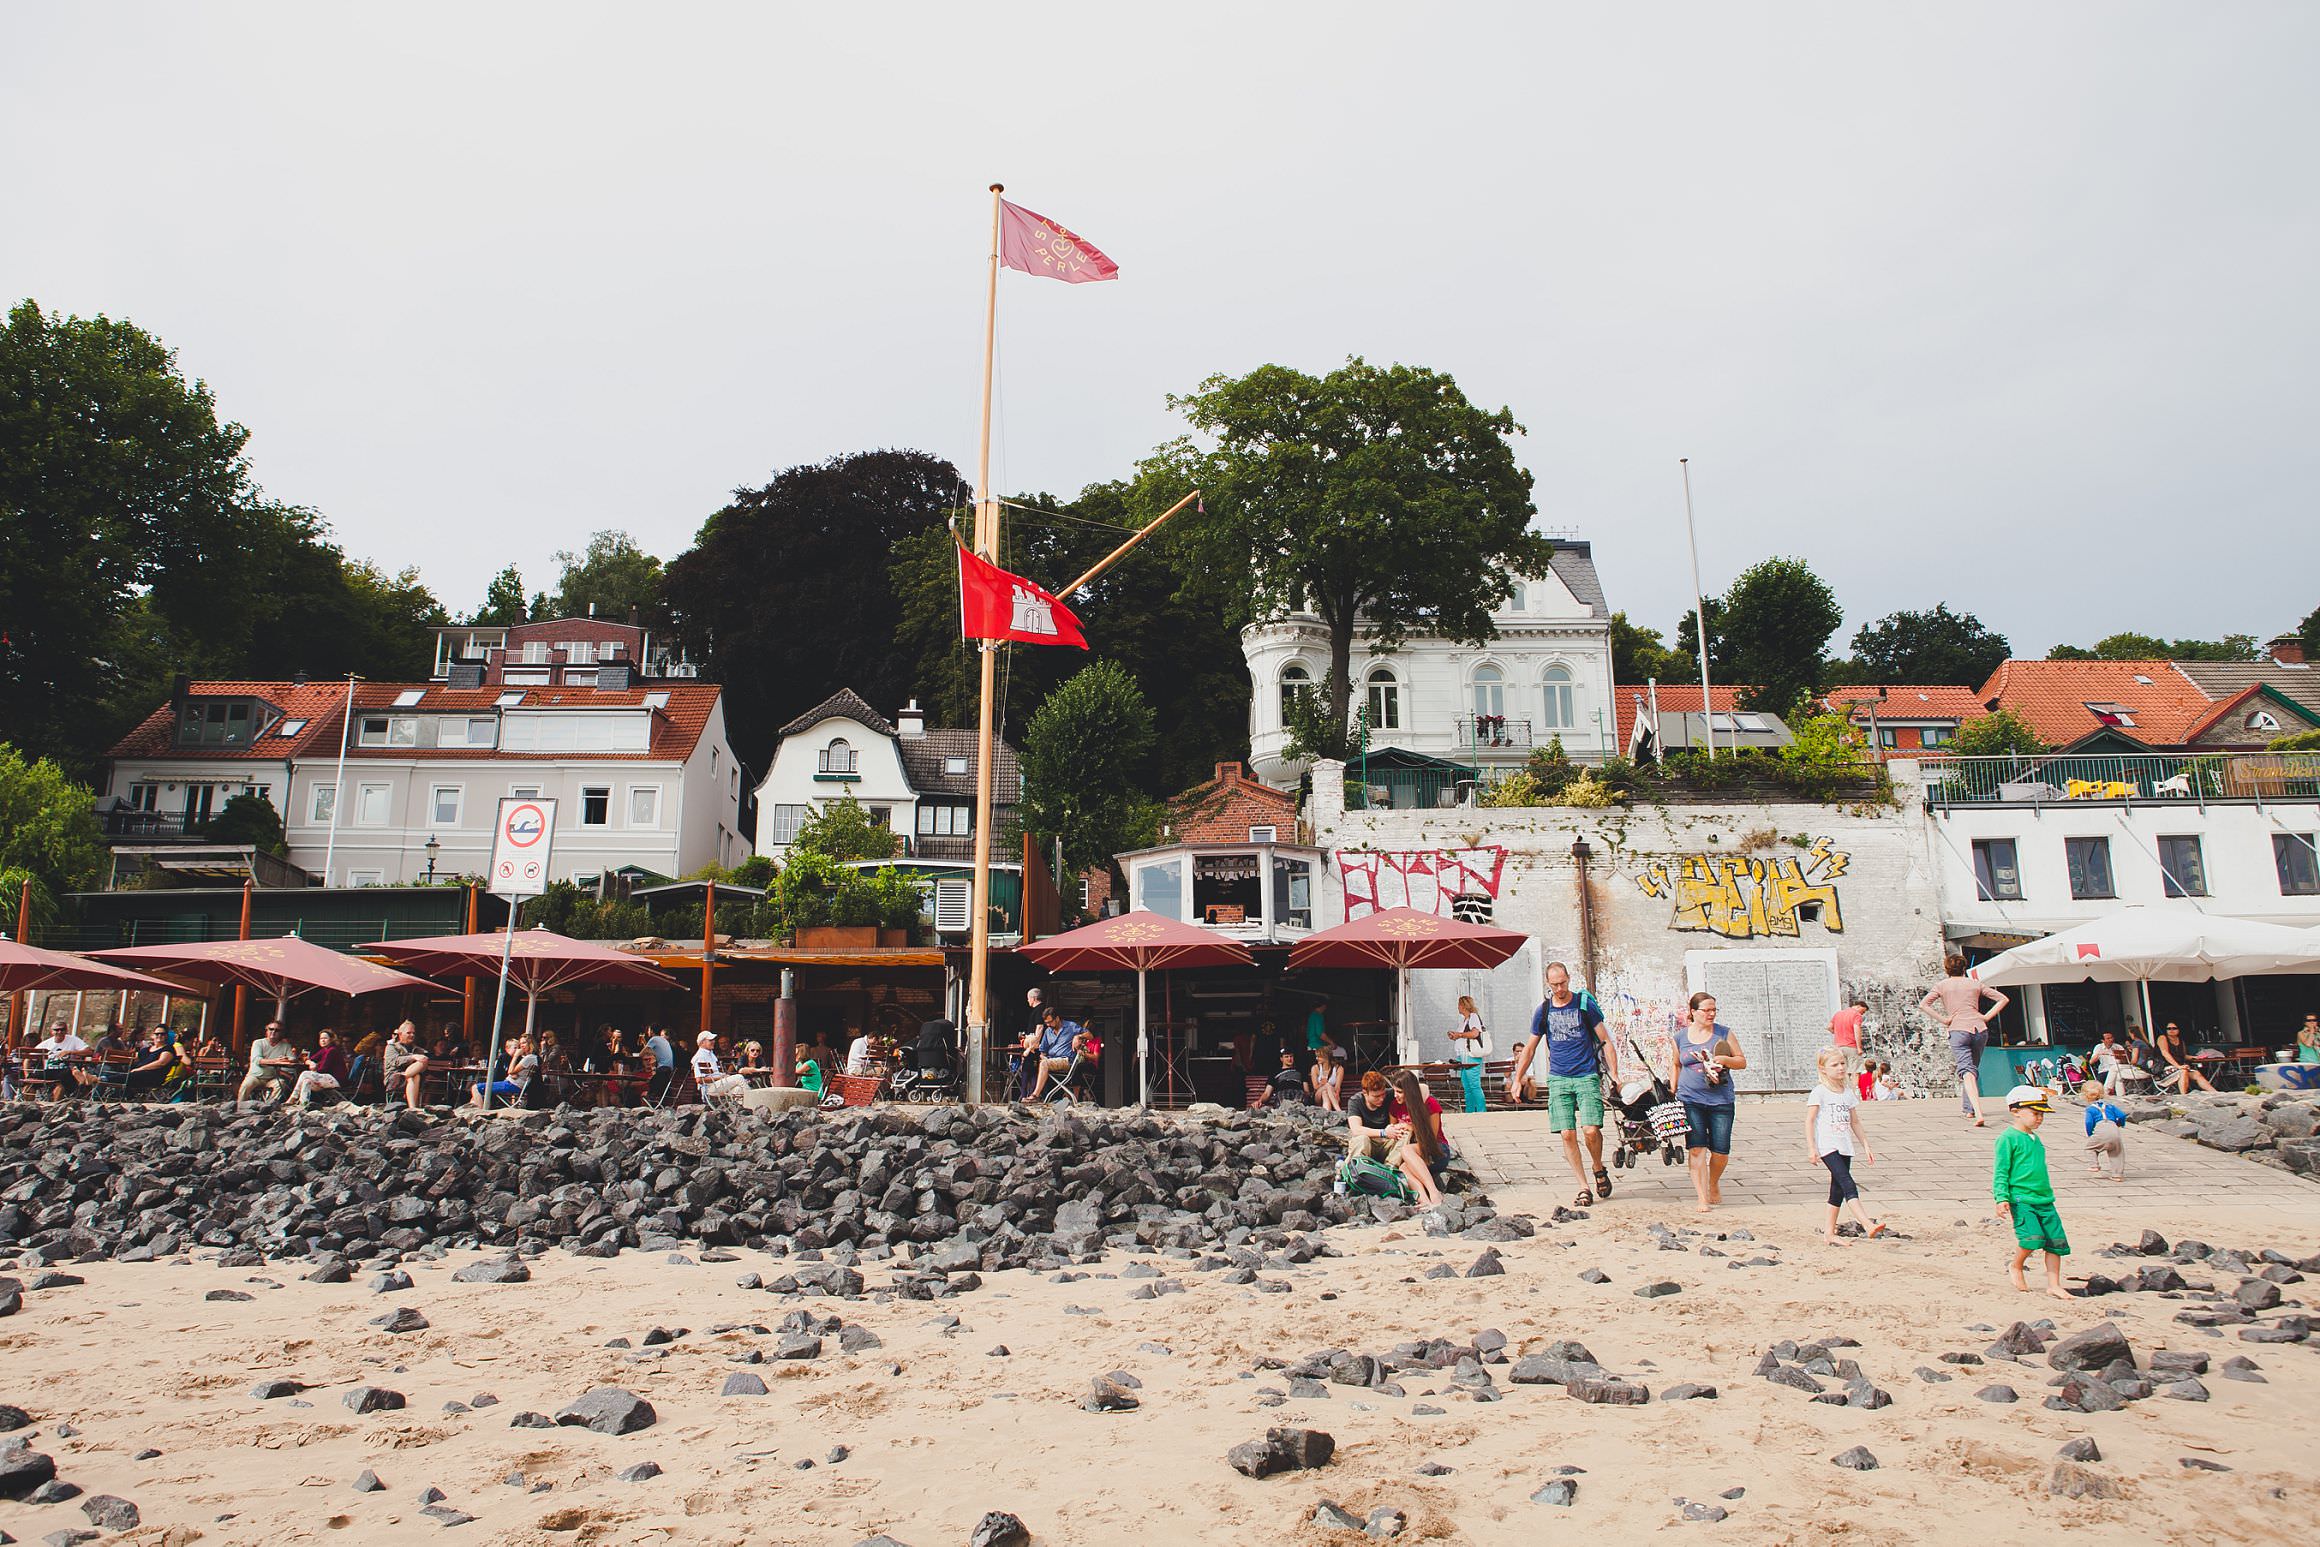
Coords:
1926,1155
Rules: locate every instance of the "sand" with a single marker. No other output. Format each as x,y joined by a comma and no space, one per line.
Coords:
138,1358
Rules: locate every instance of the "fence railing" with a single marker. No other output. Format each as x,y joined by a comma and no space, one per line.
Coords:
338,934
2054,778
1493,733
1410,789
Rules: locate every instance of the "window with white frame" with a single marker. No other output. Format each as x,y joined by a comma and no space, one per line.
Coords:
535,652
786,821
525,679
1936,735
644,805
1489,693
945,819
837,758
1295,681
1517,595
523,792
443,804
580,679
1560,700
462,731
321,802
595,805
1385,700
579,652
372,803
371,731
366,878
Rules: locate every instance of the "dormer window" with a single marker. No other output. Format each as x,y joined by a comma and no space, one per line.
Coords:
2113,714
954,765
221,722
837,758
2264,720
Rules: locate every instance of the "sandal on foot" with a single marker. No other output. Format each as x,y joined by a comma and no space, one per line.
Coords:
1602,1183
1585,1199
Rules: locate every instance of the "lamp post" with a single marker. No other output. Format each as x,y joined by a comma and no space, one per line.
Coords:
433,848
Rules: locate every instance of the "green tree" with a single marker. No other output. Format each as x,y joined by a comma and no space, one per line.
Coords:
1999,733
1639,655
1687,647
1777,619
785,594
1939,646
2150,647
842,829
614,576
503,602
48,829
1377,497
1080,752
247,818
2308,634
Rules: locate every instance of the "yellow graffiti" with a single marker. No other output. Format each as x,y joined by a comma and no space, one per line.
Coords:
1745,899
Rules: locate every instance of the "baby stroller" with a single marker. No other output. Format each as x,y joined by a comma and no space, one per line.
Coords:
1645,1116
930,1075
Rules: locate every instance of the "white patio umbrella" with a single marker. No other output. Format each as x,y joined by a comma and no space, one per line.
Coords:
2144,945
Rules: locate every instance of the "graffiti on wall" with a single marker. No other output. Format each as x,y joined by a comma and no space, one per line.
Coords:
1746,897
1429,880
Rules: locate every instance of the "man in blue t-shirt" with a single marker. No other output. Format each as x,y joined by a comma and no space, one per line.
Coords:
1579,1054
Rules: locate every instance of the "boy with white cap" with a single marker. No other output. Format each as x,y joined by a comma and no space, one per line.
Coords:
2025,1193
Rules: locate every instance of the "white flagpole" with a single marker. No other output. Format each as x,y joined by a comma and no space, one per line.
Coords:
337,785
987,547
1699,614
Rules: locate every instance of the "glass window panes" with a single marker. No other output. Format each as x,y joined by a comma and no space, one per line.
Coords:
1997,873
2298,862
945,819
445,805
1295,679
370,806
1489,692
1385,701
1936,735
2182,869
322,803
583,731
1559,700
786,822
2090,867
372,733
595,805
1160,887
644,805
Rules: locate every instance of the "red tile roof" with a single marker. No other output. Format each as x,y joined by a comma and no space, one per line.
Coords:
676,729
1674,698
1908,702
2051,698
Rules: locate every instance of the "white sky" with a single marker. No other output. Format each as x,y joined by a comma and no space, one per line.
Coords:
2009,306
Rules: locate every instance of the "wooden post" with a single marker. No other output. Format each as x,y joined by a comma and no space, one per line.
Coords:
467,984
987,546
708,952
785,1031
21,1002
241,993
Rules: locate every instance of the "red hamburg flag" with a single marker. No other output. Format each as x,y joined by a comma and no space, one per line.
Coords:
1038,245
996,605
2084,951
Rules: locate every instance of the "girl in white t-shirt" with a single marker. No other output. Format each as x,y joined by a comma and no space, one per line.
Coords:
1833,1137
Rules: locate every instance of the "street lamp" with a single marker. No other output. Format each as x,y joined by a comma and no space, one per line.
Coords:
433,849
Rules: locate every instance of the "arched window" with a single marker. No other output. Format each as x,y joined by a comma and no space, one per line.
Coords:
1385,700
1516,597
837,757
1295,680
1489,693
1559,712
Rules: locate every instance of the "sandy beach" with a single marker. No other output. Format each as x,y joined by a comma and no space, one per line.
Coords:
944,1422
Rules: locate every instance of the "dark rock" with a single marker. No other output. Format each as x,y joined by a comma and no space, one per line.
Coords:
268,1390
1707,1512
1560,1490
1488,1265
109,1512
608,1410
2200,1464
531,1421
1998,1394
1282,1450
1960,1359
12,1418
1856,1459
509,1271
643,1471
1688,1391
2153,1244
389,1282
2240,1367
229,1296
999,1529
1593,1276
55,1491
2083,1448
1334,1515
372,1399
1106,1395
444,1514
1384,1523
2086,1394
1433,1469
742,1384
2092,1349
368,1482
1608,1390
1659,1290
401,1319
798,1345
1789,1375
2072,1481
2188,1389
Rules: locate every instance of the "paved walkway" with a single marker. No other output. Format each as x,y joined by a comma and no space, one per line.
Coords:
1925,1155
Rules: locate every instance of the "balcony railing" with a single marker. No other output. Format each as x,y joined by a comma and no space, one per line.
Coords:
1481,733
152,825
2057,778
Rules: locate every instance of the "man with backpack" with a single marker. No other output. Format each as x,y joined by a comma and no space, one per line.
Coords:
1580,1053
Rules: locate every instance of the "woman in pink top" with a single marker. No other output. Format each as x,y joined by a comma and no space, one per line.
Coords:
1956,1003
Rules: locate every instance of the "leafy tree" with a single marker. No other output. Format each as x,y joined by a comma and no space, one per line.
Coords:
2302,741
1687,648
2308,633
1999,733
1939,646
842,829
785,594
1079,755
614,576
247,818
48,826
503,602
2150,647
1377,497
1158,613
1776,623
1638,654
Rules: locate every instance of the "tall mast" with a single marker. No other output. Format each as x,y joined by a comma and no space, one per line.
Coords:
1699,614
986,546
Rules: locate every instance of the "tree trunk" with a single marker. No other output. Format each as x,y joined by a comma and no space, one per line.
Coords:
1341,681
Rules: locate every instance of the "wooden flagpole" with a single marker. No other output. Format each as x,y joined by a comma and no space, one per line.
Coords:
1110,558
987,547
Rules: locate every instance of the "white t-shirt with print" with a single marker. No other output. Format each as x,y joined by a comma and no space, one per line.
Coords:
1832,1120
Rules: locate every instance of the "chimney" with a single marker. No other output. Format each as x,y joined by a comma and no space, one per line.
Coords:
1230,774
911,723
2288,650
592,609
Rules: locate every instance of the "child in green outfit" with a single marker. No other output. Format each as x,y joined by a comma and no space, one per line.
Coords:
2025,1193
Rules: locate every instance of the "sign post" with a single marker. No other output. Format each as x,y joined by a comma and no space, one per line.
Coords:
520,841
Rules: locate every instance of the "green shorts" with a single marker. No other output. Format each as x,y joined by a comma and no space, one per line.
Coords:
2038,1228
1574,1100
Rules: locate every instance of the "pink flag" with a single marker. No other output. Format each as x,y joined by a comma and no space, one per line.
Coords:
1037,245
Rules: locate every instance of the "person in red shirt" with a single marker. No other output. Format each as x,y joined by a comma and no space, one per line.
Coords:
1845,1027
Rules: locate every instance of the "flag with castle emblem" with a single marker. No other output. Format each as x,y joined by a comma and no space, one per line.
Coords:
996,605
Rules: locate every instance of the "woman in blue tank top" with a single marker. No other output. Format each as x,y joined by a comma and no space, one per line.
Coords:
1706,1055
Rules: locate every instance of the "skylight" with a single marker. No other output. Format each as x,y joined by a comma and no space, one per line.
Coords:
408,697
656,700
954,765
290,727
2145,681
507,700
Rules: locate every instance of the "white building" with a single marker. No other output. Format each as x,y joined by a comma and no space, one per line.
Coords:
642,776
917,781
1546,675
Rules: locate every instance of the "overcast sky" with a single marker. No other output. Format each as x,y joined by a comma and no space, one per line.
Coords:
2009,306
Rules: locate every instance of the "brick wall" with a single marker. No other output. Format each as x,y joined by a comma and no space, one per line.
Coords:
1227,806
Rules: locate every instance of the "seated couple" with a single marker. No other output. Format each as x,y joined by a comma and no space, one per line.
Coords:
1400,1126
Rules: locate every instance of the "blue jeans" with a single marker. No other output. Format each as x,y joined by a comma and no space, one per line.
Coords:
1470,1079
1708,1127
504,1089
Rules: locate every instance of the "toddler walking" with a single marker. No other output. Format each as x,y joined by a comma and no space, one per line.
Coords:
2025,1193
2106,1133
1833,1136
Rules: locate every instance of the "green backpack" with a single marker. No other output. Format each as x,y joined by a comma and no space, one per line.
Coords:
1370,1177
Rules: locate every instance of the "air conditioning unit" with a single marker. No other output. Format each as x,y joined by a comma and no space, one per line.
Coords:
1264,835
954,907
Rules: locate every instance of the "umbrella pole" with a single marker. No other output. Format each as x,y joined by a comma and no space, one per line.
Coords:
507,948
1407,1042
2148,1029
1143,1047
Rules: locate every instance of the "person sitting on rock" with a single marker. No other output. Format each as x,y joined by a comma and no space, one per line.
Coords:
1424,1153
709,1076
325,1071
1370,1130
1286,1085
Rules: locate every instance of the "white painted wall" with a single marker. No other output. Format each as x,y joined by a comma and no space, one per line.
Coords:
794,779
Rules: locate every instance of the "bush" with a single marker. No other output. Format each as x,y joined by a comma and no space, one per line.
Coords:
2307,741
2000,733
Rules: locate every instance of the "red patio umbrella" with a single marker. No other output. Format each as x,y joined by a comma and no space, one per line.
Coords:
1403,938
1137,942
28,968
537,960
285,966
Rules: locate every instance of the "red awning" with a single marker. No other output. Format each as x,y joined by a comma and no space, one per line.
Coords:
29,967
538,960
1404,937
284,966
1135,942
